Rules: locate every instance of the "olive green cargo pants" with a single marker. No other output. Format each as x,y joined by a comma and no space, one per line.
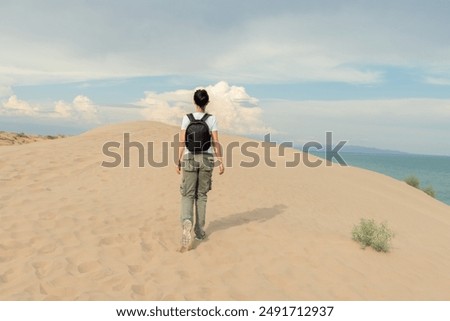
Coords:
195,184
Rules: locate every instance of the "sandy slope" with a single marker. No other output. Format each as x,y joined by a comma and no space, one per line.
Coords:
8,138
73,230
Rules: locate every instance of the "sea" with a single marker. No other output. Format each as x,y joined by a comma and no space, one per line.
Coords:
430,170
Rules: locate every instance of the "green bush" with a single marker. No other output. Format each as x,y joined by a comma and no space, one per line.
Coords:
368,233
413,181
430,191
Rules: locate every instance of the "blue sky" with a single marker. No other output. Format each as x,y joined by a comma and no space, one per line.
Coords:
375,73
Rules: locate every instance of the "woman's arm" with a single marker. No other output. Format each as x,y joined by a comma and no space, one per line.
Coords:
181,146
218,150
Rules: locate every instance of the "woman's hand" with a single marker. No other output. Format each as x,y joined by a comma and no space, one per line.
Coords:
221,168
178,168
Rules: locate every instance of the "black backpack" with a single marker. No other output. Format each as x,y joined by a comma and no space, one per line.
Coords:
198,136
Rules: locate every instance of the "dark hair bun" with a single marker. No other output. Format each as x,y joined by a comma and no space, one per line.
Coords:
201,98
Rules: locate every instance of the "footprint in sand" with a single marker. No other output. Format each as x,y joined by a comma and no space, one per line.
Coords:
110,240
89,266
117,283
134,269
146,247
138,289
48,248
41,268
42,289
68,239
9,275
71,268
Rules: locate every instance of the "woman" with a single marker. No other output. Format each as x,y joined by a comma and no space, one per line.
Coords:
197,168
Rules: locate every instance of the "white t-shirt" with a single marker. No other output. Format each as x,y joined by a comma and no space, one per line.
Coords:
211,122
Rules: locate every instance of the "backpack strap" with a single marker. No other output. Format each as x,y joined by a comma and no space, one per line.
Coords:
191,117
205,117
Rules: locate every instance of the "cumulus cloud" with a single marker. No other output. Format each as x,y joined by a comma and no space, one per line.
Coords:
85,108
62,109
15,106
82,108
168,107
236,110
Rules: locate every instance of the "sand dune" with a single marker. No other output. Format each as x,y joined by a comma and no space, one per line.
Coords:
7,138
73,230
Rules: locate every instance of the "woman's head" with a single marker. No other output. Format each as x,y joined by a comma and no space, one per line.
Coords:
201,98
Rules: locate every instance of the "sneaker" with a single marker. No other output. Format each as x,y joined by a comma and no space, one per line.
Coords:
200,237
186,238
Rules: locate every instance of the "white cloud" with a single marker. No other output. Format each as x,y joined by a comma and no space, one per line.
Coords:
15,106
62,109
278,61
166,107
237,112
85,108
82,109
299,40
